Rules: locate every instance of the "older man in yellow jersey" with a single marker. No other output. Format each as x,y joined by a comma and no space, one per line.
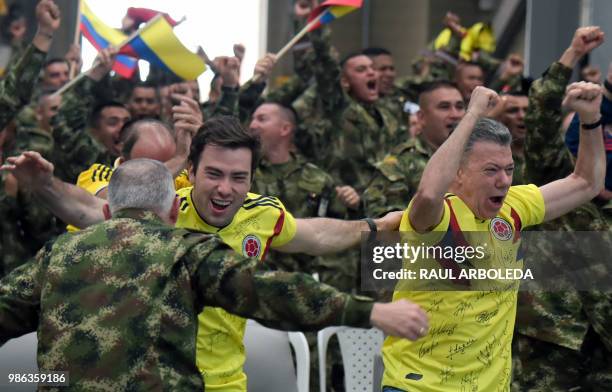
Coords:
223,157
466,188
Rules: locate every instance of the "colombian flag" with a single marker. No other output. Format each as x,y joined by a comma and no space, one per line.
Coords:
101,36
333,9
158,44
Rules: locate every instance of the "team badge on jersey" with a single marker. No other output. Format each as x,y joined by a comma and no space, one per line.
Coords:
501,229
251,246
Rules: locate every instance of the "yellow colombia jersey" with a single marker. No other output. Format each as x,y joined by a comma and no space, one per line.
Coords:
97,177
468,344
261,223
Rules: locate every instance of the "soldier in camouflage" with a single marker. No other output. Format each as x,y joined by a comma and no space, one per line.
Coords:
138,330
15,92
361,129
562,339
391,96
399,173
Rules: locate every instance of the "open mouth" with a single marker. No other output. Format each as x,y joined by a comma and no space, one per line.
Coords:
497,201
371,85
219,205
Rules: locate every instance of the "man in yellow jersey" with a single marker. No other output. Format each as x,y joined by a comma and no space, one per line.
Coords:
466,187
223,157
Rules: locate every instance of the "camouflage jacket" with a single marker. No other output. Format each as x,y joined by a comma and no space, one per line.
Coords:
75,148
562,318
360,133
397,178
17,86
116,304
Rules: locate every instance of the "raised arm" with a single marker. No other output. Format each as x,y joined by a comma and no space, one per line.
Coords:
70,203
441,170
587,180
16,88
321,236
292,301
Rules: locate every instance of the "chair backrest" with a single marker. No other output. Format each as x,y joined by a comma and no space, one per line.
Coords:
269,362
18,355
359,348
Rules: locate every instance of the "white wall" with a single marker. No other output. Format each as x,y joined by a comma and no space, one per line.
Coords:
213,24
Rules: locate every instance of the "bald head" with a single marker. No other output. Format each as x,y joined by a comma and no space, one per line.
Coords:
148,138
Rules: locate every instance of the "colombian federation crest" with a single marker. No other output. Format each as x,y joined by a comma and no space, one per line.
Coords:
251,246
501,229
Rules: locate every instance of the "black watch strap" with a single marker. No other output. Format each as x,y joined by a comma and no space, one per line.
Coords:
371,223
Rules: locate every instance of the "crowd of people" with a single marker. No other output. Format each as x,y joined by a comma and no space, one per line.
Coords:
141,226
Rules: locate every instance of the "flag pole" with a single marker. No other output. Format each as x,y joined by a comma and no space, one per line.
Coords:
74,81
298,36
77,35
292,42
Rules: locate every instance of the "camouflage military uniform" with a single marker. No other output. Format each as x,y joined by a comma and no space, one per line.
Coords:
562,340
15,92
116,304
397,178
360,133
16,88
75,148
30,224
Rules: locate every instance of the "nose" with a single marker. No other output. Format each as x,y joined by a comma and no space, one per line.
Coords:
224,187
504,180
456,113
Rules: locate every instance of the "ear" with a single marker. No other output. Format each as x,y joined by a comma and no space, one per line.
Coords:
191,173
286,129
107,212
344,82
420,115
174,211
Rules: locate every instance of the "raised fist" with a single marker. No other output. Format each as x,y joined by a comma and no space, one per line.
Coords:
585,99
586,39
482,100
48,16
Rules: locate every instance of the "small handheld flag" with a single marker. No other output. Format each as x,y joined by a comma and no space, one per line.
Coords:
331,10
157,43
102,36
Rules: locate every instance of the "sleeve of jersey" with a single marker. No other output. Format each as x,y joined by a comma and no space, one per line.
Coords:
182,181
528,202
435,234
94,179
285,227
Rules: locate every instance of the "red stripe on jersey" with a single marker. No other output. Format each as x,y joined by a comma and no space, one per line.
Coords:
518,225
277,230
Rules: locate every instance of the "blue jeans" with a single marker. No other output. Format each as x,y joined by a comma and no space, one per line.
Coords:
391,389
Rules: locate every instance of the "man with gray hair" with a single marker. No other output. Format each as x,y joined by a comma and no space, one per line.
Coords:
116,304
464,198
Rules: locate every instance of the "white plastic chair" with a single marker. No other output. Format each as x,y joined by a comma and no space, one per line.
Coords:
358,347
18,355
269,363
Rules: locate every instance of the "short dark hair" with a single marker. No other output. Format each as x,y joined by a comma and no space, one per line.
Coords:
349,56
463,64
226,132
146,85
94,119
130,133
55,60
375,51
428,87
